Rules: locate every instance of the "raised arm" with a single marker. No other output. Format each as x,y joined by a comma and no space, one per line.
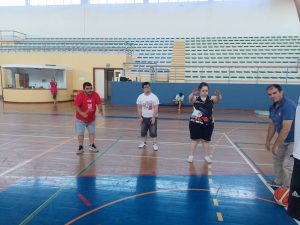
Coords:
217,97
192,95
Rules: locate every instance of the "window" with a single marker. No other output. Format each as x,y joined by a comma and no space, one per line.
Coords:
54,2
12,2
115,1
167,1
24,78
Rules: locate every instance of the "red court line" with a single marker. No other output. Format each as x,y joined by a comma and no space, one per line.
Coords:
84,199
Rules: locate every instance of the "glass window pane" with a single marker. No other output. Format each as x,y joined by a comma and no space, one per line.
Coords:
12,2
115,1
54,2
164,1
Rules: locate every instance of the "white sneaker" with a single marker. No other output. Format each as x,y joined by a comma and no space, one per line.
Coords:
142,145
190,159
93,148
155,147
207,159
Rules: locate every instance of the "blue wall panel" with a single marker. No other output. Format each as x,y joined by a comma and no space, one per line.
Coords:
235,96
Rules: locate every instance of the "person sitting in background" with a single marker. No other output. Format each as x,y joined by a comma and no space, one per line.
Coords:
179,100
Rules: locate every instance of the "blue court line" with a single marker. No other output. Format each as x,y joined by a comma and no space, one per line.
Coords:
134,117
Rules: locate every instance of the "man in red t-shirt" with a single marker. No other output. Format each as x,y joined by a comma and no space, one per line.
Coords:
85,104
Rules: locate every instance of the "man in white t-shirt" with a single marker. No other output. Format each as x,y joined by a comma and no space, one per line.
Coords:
147,108
294,198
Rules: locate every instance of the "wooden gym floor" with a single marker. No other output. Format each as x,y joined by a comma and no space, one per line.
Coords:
43,181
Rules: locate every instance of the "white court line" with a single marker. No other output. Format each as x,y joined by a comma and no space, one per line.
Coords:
35,136
173,158
175,130
105,139
249,163
252,167
34,158
255,149
11,142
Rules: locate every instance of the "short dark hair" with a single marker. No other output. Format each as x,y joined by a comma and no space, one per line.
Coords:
180,94
277,86
87,84
145,83
203,84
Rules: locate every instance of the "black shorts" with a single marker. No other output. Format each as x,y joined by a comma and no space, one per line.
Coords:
201,131
294,198
147,125
54,96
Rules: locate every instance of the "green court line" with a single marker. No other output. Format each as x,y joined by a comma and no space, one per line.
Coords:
99,156
41,207
52,197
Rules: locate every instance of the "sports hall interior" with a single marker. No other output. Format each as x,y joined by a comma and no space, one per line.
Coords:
237,46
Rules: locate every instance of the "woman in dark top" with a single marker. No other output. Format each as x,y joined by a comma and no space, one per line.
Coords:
201,122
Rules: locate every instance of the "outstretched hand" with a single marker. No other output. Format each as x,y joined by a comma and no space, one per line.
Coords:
217,93
195,91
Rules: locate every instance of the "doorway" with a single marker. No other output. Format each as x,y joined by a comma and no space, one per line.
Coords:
103,78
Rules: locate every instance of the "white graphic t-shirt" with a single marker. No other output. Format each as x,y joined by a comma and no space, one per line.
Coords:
148,102
178,98
296,152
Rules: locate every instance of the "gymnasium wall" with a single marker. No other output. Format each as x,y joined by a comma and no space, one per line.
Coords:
235,96
81,64
297,2
1,94
213,18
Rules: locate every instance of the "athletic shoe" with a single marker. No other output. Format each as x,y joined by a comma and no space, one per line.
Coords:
80,150
273,183
142,145
207,159
190,159
155,147
93,148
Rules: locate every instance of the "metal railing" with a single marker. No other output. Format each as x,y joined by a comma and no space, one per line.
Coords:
72,44
7,36
222,74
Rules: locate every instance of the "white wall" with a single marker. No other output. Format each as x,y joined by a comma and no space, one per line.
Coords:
100,82
239,17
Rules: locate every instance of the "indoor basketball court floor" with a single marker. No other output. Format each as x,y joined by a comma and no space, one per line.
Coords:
43,181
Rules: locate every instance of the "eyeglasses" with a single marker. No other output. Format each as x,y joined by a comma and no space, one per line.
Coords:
146,87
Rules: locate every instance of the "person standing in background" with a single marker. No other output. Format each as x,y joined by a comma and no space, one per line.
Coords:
53,89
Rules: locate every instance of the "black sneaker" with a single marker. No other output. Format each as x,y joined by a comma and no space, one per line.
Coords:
274,184
93,148
80,150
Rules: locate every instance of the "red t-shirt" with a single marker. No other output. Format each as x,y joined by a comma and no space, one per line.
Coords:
87,104
53,88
